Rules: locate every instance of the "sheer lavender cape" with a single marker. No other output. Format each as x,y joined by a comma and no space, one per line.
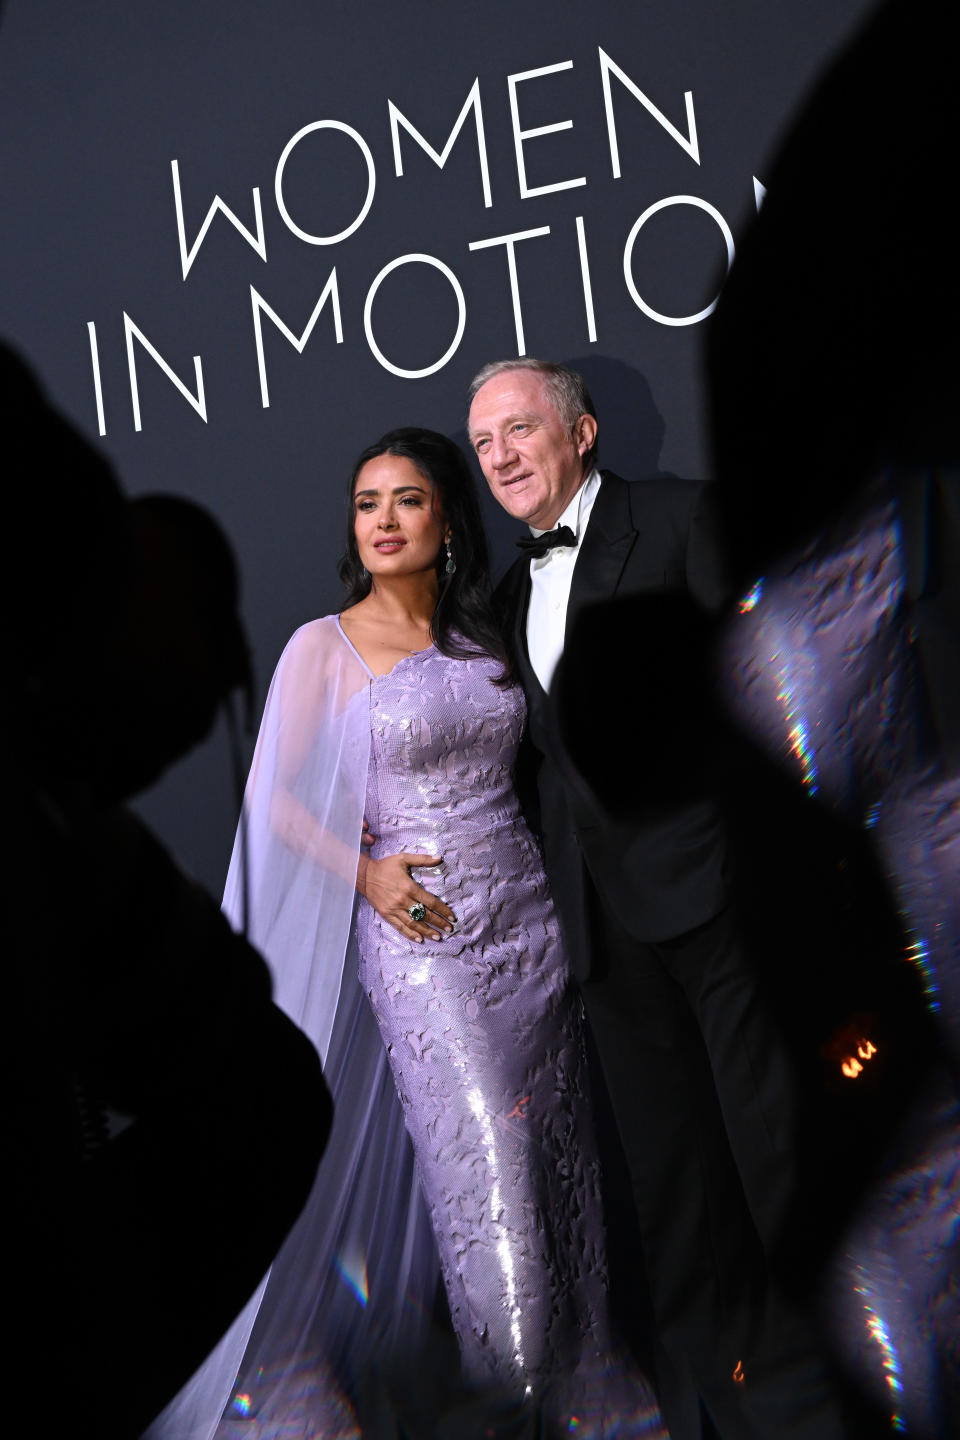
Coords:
304,814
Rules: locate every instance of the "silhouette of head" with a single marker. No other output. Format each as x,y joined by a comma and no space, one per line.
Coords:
65,513
123,632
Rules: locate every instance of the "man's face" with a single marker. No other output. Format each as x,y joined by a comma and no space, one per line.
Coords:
531,461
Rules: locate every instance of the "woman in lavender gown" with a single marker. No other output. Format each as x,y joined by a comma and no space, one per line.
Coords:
467,978
464,971
397,723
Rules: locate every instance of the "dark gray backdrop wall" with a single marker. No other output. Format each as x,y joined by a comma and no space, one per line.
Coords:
544,231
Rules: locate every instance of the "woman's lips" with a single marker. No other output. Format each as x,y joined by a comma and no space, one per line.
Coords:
389,544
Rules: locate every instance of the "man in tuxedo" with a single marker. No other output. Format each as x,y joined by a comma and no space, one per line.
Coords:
697,1082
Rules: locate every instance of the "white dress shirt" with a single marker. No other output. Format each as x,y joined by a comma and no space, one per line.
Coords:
550,578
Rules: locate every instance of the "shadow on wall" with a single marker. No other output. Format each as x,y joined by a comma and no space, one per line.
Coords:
631,427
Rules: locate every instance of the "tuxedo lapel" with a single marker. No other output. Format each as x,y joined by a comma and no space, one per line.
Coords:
513,594
512,601
605,550
606,547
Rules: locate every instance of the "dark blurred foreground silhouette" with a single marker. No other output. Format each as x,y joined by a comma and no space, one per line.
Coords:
834,373
166,1119
835,376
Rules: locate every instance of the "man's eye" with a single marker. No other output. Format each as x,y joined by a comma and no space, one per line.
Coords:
481,445
520,425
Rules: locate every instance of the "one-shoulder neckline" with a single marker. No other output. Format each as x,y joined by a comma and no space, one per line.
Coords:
414,654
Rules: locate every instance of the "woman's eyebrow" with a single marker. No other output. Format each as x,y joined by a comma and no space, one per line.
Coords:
397,490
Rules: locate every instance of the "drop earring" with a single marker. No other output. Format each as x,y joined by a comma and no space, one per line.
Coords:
451,564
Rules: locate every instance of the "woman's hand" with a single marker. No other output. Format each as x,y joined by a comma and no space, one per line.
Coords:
392,890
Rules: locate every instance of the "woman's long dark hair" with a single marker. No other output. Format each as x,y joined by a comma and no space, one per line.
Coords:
463,623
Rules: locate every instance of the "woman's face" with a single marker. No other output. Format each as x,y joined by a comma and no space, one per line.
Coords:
395,519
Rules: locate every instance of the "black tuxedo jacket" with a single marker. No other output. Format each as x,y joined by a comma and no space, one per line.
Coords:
659,868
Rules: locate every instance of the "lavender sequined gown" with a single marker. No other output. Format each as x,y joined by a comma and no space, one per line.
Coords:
483,1031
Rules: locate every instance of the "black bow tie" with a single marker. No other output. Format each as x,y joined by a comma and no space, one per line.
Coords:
535,545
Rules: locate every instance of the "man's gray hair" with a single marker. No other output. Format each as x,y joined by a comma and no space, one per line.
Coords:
566,388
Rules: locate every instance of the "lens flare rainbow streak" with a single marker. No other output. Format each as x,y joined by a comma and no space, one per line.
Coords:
798,737
891,1364
918,953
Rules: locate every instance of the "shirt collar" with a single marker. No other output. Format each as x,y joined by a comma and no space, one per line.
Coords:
577,512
